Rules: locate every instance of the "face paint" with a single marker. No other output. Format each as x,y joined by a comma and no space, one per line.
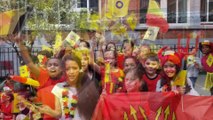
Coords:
132,84
151,67
169,69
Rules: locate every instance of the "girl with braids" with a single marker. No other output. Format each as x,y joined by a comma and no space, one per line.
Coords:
171,66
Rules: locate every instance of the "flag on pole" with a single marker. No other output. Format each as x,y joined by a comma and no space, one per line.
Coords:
11,21
155,17
117,8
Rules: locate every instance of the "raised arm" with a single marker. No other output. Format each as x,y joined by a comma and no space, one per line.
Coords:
28,61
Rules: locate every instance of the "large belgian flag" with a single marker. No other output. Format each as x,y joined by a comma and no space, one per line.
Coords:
11,21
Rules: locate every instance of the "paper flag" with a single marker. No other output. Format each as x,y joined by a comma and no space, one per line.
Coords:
132,21
118,29
58,42
23,71
107,73
14,106
151,33
72,38
180,78
209,60
44,47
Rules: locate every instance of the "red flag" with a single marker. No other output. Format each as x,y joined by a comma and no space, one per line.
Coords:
155,17
153,106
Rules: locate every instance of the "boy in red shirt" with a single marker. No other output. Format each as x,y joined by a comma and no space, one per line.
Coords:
151,66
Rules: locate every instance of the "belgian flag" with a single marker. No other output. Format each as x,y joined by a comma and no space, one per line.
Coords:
11,21
155,17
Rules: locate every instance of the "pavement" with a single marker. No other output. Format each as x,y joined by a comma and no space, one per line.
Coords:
199,85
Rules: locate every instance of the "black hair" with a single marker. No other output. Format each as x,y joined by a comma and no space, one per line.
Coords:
115,54
127,41
60,62
211,90
10,94
166,80
71,57
87,43
78,61
46,53
107,49
201,47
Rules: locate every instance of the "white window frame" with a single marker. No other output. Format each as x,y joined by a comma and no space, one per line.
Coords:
177,15
207,14
78,9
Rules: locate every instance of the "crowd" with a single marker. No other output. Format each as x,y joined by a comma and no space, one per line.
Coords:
71,81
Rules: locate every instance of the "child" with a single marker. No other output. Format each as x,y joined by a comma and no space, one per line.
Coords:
151,66
206,48
193,66
111,75
171,66
130,62
6,105
133,81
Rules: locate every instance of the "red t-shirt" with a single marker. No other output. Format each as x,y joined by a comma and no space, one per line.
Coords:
44,93
7,111
151,82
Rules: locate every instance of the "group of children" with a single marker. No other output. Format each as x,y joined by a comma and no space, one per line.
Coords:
71,81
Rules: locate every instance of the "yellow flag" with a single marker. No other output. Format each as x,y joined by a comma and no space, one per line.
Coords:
107,73
132,21
23,71
15,102
32,82
118,29
44,47
58,42
10,21
72,38
180,78
117,8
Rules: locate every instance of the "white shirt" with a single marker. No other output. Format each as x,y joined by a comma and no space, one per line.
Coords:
57,91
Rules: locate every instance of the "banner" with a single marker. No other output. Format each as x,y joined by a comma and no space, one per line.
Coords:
153,106
117,8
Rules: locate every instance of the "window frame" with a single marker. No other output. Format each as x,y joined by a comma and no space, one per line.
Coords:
206,12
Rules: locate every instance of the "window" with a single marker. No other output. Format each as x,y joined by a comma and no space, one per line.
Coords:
90,4
206,10
177,11
143,9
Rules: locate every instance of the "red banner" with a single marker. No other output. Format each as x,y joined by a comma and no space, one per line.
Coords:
153,106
